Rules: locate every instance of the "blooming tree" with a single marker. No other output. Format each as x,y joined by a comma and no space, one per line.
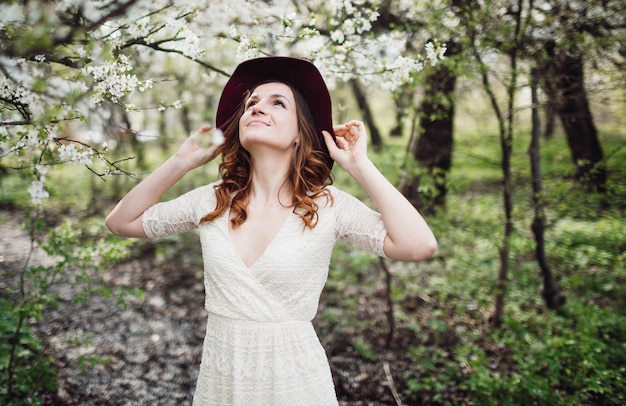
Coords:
63,61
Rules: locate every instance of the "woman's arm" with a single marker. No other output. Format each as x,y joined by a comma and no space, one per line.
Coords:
409,238
126,218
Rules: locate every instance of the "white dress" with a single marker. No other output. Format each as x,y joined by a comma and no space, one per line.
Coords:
260,346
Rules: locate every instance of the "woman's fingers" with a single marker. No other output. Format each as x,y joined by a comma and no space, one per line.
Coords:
349,130
331,143
201,147
199,136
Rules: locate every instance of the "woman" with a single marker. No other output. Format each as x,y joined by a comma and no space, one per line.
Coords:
268,227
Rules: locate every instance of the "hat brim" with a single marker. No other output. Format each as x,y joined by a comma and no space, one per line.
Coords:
299,73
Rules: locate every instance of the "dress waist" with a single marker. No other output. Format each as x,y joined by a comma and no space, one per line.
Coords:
217,321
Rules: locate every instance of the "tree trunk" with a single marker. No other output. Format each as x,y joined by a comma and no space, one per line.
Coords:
164,142
548,131
368,118
506,146
402,101
565,79
432,147
550,289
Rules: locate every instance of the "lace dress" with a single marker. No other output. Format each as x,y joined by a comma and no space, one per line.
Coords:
260,346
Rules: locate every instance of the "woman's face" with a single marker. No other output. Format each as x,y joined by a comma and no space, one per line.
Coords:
270,119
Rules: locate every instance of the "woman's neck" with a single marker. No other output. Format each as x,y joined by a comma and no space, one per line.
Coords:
270,183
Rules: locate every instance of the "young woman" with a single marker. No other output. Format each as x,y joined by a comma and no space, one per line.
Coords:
268,228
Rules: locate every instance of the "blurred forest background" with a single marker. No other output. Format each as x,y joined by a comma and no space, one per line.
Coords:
512,146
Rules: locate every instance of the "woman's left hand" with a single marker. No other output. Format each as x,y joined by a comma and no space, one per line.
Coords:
351,145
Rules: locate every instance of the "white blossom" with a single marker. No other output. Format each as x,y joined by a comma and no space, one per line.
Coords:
434,54
42,170
37,192
337,36
70,153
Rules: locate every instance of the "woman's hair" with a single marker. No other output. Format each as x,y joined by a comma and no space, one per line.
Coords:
309,174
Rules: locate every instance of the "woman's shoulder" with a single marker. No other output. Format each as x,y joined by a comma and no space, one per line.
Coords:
202,194
337,192
208,188
338,197
334,190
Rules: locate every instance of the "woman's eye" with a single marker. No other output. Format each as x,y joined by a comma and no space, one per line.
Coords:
251,103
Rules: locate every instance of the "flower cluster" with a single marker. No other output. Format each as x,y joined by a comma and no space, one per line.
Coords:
113,80
79,156
434,53
37,191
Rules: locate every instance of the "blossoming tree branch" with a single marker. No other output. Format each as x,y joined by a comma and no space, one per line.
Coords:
64,62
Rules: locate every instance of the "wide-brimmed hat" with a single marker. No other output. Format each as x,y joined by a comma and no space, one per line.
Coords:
299,73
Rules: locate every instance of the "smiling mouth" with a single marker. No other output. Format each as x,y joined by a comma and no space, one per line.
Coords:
257,122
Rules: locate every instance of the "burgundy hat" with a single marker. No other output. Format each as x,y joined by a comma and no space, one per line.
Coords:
299,73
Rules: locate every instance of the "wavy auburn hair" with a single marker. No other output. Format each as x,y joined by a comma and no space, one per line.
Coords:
309,174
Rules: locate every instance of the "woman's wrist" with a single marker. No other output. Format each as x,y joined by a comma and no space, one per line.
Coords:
362,169
178,165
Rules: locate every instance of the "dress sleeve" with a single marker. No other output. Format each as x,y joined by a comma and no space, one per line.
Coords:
358,224
180,214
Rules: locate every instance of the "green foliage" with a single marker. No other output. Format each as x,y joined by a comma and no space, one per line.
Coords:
78,253
364,349
25,370
591,253
433,373
550,359
14,190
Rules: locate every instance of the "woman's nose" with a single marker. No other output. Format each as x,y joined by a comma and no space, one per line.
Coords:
258,108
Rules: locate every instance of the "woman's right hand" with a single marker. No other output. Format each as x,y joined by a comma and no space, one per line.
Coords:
198,149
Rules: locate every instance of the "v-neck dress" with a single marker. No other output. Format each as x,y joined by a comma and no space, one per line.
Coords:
260,346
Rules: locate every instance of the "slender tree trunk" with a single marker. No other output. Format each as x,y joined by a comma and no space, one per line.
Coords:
136,146
550,289
401,99
548,131
162,136
549,111
432,147
506,147
368,118
466,13
185,119
565,79
506,142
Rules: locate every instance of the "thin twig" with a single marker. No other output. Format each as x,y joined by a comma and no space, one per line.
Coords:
389,377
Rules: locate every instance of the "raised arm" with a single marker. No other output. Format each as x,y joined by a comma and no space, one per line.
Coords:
409,238
126,218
